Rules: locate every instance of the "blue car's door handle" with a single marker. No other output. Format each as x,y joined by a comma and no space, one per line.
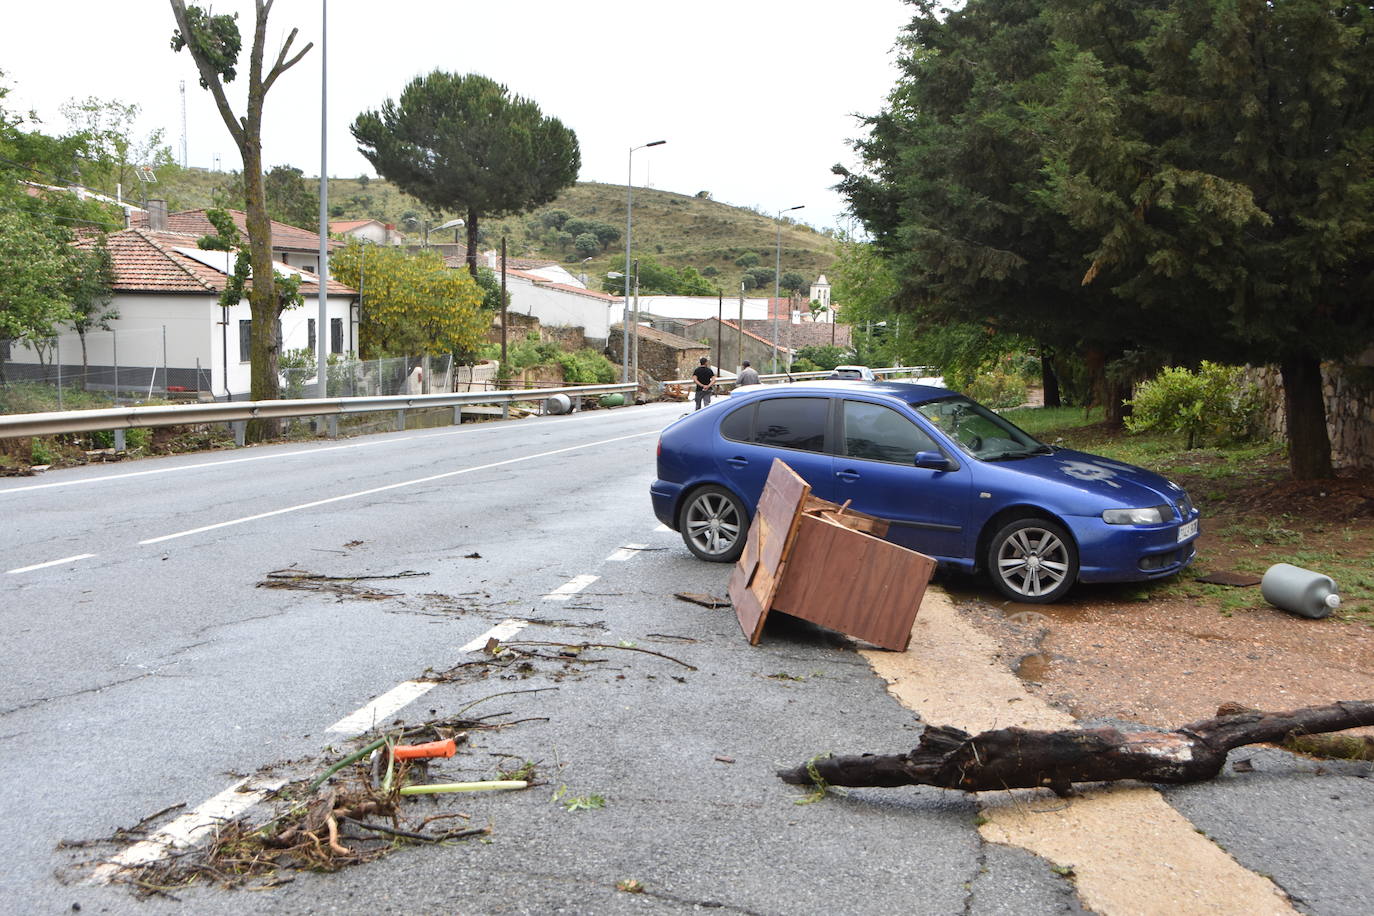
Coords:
848,475
738,461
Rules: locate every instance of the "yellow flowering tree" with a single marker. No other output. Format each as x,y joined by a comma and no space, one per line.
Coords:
412,303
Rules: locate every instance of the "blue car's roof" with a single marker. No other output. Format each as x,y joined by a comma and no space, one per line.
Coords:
903,391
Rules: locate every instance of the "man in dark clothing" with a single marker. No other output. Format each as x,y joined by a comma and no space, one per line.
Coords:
704,378
747,375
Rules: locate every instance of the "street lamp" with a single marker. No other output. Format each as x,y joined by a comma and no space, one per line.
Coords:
629,225
777,280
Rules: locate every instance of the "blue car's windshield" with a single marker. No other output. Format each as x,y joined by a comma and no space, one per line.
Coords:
980,432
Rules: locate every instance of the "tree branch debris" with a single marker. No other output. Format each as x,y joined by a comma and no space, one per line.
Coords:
1019,758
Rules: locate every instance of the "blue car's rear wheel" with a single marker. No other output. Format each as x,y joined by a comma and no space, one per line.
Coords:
1033,560
714,524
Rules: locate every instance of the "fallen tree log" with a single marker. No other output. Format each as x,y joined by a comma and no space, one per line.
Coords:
1019,758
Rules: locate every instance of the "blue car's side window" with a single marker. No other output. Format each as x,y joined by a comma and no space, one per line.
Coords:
792,423
880,433
739,425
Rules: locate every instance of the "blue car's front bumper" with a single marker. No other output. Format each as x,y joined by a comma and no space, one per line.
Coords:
1130,553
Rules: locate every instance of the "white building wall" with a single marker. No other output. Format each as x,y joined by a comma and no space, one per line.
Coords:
562,309
697,307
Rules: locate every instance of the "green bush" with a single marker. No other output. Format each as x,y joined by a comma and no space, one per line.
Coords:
999,388
586,367
1214,402
824,357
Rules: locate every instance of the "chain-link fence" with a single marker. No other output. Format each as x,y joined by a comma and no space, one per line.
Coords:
72,368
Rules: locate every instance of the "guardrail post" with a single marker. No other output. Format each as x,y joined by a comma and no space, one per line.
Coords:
240,428
505,411
401,420
333,427
576,404
457,414
119,440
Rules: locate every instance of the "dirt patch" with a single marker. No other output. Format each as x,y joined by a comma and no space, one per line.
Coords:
1171,652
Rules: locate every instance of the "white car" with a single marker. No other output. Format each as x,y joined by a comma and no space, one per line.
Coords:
854,373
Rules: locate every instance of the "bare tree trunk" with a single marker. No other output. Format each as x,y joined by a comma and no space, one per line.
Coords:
1018,758
1049,379
1304,407
471,234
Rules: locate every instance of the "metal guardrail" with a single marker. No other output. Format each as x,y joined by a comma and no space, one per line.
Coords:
776,377
120,418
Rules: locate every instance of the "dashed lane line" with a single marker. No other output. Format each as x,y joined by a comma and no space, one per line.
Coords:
503,630
190,827
381,709
570,588
391,486
73,559
626,552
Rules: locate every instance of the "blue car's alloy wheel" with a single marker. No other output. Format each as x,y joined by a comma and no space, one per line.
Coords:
1033,560
714,524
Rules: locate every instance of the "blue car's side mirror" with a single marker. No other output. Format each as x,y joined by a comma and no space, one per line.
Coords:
932,460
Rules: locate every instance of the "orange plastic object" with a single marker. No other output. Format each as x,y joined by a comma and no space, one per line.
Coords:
445,748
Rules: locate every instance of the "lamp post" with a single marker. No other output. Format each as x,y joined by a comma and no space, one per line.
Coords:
629,225
777,280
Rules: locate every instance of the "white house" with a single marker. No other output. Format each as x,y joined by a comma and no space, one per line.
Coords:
367,230
172,334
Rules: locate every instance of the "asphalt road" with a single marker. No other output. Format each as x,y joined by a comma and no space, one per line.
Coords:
146,667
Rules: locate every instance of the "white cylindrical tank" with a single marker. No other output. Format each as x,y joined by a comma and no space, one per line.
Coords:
1299,591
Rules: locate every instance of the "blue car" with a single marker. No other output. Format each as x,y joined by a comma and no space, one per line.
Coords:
955,481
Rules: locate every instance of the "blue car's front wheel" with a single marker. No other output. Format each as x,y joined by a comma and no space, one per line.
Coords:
1033,560
714,524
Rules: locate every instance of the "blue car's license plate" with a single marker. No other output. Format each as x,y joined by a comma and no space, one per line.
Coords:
1187,531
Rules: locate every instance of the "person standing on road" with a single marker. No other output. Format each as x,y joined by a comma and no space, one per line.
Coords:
747,375
705,378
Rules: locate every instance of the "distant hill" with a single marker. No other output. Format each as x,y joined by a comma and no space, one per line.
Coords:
674,229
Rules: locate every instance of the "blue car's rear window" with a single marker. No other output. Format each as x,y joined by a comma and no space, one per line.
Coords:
792,423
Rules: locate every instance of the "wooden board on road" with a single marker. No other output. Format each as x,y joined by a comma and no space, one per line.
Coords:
827,564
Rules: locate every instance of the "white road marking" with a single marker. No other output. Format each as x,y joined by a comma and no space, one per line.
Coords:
24,569
190,827
624,553
390,486
200,466
570,588
381,709
503,630
662,527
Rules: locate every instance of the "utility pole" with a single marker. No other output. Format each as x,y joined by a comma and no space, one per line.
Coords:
739,332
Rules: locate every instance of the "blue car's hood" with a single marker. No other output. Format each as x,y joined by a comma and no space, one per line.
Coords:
1114,481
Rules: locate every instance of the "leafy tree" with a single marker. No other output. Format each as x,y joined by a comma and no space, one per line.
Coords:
291,199
794,282
214,44
1185,180
463,143
89,278
748,259
763,276
823,357
412,303
42,274
586,245
112,154
554,219
659,279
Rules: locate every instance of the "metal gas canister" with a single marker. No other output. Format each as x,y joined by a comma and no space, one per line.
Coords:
1299,591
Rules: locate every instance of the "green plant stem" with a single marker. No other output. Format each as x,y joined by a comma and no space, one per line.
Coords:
358,755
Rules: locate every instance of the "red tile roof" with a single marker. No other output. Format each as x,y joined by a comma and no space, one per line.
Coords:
348,225
195,222
148,262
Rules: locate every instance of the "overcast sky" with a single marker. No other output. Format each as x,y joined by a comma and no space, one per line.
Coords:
756,98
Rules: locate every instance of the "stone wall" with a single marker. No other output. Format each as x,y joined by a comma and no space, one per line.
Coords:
1349,394
569,338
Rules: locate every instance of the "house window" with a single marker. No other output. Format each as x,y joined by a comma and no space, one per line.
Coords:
310,334
245,341
336,335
